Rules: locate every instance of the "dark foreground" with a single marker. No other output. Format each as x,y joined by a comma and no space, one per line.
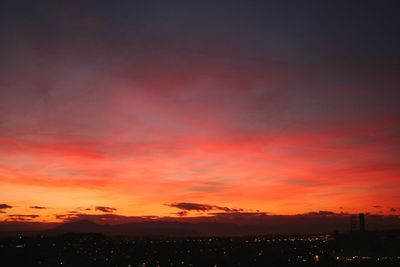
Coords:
75,250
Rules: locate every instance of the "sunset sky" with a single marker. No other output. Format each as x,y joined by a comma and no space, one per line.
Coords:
189,108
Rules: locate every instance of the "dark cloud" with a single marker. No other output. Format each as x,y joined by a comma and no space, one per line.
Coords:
191,206
105,209
325,213
5,206
377,207
239,215
392,210
85,209
32,216
103,218
182,213
73,211
188,206
229,209
38,207
22,217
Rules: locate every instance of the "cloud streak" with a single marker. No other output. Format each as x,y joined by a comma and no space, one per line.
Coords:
105,209
188,206
38,207
22,217
4,207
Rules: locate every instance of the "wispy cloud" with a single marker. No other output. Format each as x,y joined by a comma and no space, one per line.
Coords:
189,206
22,217
105,209
103,218
38,207
3,207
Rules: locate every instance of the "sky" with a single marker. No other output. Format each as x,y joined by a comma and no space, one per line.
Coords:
198,108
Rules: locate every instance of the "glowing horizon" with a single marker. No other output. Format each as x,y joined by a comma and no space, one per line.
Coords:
101,108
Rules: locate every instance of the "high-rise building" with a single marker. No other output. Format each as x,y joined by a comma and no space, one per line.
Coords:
353,224
357,223
361,219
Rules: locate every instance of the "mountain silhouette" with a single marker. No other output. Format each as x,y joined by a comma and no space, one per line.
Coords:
83,226
297,224
159,228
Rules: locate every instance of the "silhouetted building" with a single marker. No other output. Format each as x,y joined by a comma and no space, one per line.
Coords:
361,219
353,224
357,224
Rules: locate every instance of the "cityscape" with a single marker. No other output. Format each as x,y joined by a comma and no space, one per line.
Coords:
99,250
356,248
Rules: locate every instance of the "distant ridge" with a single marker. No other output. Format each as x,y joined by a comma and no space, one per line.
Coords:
158,228
178,229
85,226
299,224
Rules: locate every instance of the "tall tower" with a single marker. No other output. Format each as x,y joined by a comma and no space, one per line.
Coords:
361,219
